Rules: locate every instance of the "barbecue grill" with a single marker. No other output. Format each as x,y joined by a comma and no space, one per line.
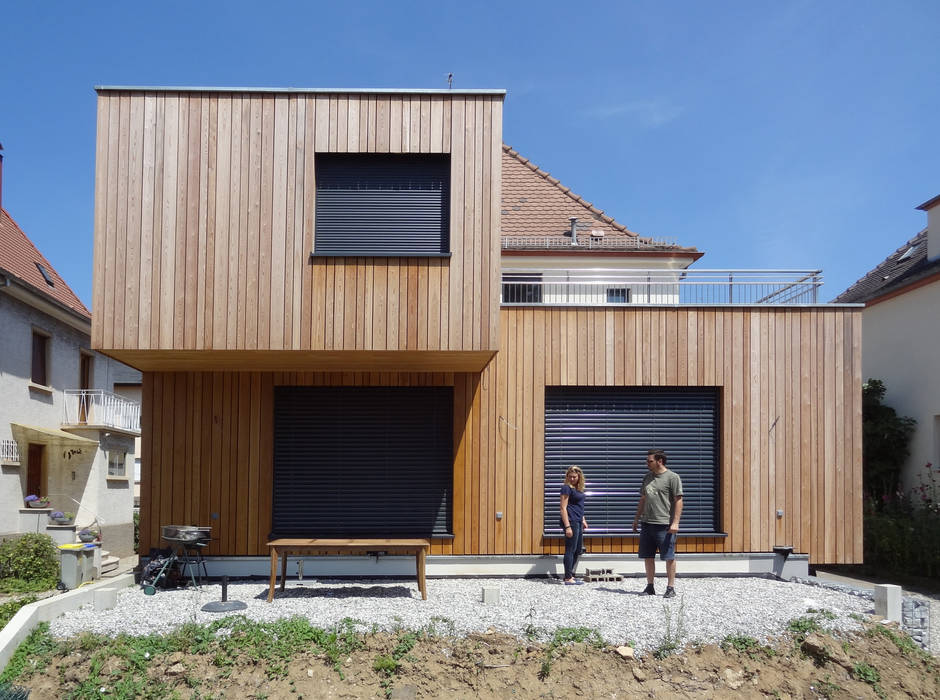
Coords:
186,533
186,544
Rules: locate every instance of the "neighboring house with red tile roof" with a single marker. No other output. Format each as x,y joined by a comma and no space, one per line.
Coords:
540,215
901,335
63,434
558,247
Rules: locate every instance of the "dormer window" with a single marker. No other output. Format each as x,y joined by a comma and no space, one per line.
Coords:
45,274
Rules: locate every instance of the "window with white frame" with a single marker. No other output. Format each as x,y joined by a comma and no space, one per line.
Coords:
117,461
618,295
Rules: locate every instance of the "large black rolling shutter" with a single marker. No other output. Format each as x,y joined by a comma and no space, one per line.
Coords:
607,431
382,205
362,461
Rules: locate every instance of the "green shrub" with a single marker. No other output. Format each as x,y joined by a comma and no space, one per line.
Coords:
902,533
31,559
11,607
886,438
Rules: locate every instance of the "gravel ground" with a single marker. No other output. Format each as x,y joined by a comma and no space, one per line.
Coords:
705,610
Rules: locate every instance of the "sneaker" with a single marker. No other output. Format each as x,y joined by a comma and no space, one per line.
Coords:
649,590
670,592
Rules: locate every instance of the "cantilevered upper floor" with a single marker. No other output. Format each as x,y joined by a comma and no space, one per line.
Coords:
297,229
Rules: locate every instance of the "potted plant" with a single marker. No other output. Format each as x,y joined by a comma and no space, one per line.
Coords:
88,535
34,501
61,518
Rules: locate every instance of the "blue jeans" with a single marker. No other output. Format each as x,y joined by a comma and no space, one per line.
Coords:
573,547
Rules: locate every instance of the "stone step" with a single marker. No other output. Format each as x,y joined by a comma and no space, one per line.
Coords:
108,564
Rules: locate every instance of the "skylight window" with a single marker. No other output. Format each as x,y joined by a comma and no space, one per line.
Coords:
907,253
45,275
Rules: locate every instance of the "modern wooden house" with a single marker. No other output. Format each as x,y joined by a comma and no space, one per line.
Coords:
358,313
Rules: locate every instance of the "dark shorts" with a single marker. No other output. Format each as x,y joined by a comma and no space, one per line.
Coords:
655,537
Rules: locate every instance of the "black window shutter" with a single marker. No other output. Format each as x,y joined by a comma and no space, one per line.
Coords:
607,432
382,204
362,461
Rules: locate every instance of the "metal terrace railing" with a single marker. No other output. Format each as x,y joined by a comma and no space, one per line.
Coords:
585,241
101,408
618,287
9,451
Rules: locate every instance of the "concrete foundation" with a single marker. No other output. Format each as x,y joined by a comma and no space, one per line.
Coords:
495,566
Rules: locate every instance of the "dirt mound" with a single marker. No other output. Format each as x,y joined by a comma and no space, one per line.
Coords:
878,662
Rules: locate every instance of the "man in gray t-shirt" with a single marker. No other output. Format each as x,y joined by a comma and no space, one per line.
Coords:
659,510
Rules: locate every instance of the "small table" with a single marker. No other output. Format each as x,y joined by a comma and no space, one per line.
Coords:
282,547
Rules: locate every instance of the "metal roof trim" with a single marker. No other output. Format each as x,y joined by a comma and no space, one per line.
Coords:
360,91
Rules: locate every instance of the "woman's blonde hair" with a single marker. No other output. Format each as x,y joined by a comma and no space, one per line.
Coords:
575,468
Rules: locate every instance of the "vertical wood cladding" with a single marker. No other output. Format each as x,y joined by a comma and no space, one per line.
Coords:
790,428
204,222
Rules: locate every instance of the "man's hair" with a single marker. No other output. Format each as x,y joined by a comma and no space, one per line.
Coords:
658,455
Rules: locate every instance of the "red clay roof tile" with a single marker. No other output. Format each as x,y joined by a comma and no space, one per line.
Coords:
18,258
536,205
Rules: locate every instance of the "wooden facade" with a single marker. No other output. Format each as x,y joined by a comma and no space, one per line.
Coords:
790,415
204,231
206,278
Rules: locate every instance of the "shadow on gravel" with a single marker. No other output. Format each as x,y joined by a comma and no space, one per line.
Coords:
314,591
622,591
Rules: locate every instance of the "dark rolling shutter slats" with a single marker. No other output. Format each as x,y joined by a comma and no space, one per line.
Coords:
379,204
362,461
607,431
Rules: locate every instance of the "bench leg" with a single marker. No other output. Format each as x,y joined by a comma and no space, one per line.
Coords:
273,574
283,570
422,586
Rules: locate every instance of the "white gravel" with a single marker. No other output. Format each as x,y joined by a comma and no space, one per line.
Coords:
705,609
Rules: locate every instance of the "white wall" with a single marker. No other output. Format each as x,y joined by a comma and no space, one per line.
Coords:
133,392
70,474
579,292
901,346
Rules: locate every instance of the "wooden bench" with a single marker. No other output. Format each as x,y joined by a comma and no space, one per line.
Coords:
283,547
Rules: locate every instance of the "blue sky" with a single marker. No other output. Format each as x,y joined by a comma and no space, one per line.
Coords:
794,135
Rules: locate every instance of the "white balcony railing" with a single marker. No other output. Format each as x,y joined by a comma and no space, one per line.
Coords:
9,451
101,408
611,287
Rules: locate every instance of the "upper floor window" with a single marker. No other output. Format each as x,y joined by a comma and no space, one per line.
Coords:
522,288
117,460
39,372
382,204
618,295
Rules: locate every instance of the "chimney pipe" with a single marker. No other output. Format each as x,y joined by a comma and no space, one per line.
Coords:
574,229
1,176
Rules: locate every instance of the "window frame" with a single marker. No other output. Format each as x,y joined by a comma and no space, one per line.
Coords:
382,205
522,287
625,292
43,355
123,462
607,431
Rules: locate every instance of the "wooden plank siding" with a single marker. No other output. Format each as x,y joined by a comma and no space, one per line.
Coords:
790,428
204,225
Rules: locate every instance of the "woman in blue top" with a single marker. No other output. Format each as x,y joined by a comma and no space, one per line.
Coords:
572,519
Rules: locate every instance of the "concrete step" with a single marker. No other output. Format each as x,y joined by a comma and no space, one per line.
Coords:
108,563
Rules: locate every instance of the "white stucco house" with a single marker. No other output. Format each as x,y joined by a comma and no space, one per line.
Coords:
901,336
65,434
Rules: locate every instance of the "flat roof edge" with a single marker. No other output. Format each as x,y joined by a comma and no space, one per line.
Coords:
360,91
